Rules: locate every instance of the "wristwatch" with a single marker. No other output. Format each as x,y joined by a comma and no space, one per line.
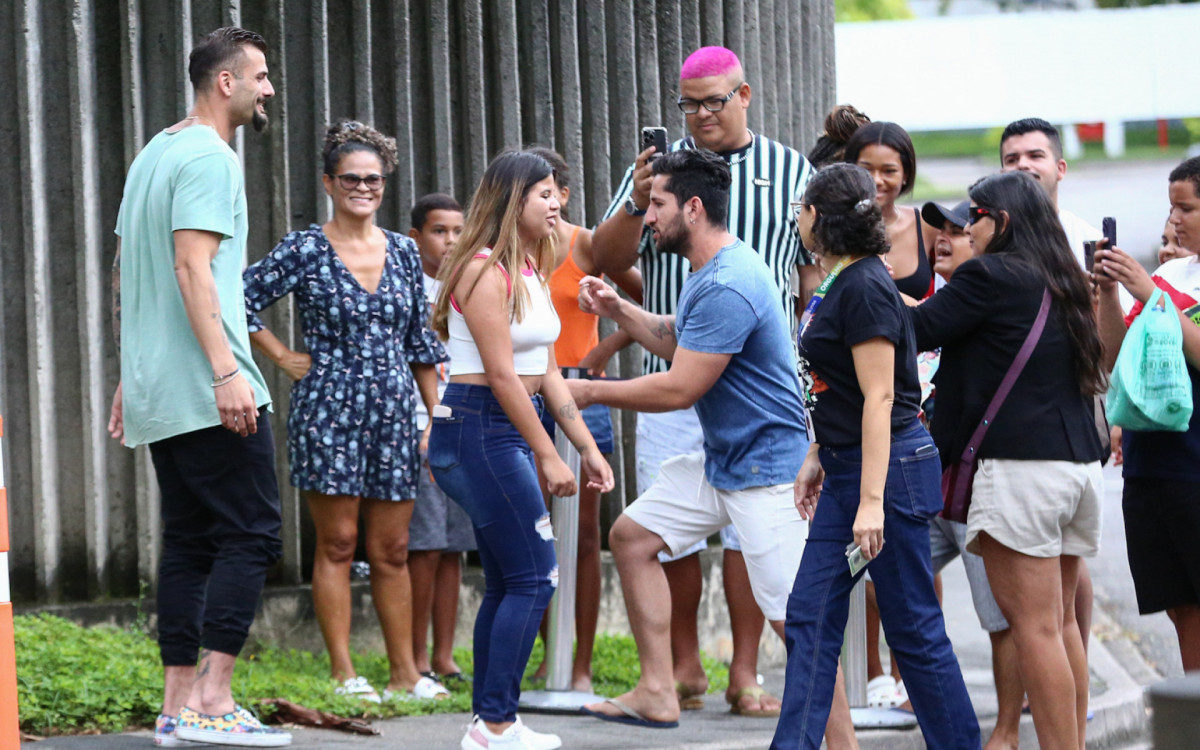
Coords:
632,209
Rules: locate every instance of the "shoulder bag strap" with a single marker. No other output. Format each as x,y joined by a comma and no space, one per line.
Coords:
1010,378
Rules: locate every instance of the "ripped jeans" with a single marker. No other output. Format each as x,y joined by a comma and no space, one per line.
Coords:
481,461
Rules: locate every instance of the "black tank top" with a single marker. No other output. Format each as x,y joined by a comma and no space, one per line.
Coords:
916,285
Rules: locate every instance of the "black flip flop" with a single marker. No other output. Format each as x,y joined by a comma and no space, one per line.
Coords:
630,716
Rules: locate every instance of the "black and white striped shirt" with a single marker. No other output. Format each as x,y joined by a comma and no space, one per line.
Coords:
767,177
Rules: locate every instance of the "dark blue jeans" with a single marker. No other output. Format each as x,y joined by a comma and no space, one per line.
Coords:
908,608
480,460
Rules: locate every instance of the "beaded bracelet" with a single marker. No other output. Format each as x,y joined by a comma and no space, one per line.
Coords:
220,380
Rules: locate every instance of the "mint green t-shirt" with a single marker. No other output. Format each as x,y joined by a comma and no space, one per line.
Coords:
189,179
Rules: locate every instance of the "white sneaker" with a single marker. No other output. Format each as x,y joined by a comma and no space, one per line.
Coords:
516,737
537,740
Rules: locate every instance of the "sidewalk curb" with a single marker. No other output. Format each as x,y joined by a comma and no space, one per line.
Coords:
1120,718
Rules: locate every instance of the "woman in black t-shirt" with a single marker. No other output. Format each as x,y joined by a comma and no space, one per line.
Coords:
875,471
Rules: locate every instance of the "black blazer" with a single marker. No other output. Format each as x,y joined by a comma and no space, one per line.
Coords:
980,319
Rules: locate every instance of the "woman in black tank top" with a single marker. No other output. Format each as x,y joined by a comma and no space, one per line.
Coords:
885,150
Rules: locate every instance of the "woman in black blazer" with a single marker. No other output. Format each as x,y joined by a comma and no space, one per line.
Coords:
1037,490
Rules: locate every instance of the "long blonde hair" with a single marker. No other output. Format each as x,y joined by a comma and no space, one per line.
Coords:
492,221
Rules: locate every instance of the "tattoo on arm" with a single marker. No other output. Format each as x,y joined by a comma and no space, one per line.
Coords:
663,329
216,302
568,410
116,299
215,298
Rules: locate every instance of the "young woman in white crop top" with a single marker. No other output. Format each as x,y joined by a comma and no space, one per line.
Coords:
487,442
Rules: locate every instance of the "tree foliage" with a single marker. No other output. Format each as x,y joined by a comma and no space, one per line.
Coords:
873,10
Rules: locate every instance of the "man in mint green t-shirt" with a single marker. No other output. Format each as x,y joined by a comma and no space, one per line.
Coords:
191,391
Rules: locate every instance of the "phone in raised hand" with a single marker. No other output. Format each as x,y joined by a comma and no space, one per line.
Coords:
654,136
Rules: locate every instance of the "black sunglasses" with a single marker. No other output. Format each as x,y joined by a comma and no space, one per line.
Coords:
350,181
975,213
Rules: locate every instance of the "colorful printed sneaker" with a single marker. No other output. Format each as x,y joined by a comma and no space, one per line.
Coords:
164,733
239,728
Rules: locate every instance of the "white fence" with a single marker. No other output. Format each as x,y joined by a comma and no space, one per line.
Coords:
982,71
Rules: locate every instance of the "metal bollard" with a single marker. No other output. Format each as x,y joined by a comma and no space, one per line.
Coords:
1176,704
854,668
558,697
854,648
565,514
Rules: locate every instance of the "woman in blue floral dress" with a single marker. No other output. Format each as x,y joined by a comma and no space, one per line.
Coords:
352,437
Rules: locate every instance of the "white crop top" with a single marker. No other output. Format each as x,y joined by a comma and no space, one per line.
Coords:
531,338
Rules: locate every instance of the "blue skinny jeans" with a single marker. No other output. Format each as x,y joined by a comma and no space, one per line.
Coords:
908,608
481,461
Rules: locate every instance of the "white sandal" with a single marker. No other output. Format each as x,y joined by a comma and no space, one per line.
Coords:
424,689
881,692
358,687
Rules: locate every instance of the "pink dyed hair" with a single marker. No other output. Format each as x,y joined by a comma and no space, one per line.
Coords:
709,61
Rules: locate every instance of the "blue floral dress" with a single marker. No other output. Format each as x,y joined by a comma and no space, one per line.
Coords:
352,426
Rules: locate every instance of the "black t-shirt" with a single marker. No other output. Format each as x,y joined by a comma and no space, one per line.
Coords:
862,304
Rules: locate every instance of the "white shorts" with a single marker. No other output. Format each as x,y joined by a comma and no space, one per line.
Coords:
682,507
663,436
1038,508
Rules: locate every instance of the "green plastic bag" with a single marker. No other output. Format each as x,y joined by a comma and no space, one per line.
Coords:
1150,387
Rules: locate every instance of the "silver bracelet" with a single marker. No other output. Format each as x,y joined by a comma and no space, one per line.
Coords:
220,380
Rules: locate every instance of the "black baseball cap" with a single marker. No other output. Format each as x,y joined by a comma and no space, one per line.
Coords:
936,215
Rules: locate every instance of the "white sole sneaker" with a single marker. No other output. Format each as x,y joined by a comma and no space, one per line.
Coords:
537,740
239,728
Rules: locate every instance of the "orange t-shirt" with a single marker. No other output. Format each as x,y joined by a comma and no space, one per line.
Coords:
580,331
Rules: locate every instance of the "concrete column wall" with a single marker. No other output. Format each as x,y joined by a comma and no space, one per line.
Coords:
454,80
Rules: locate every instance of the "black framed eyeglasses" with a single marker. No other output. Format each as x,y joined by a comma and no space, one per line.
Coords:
975,213
797,207
712,104
350,181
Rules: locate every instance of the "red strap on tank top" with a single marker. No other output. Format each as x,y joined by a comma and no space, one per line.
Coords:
507,279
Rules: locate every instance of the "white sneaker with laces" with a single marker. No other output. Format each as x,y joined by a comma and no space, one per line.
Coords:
516,737
537,740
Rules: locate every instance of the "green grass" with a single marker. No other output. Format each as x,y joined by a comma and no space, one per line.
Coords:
72,679
926,190
1141,142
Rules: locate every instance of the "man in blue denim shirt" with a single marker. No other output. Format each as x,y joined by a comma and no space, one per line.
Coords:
732,358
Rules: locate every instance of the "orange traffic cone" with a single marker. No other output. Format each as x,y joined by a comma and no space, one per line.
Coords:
10,733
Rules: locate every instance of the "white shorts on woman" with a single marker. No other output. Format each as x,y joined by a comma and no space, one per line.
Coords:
1038,508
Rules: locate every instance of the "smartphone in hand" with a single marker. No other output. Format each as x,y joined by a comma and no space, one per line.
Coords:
854,557
1089,255
1109,230
654,136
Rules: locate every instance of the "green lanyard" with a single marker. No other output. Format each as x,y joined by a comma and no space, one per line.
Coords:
818,296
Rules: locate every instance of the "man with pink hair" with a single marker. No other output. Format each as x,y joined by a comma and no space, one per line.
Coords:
767,177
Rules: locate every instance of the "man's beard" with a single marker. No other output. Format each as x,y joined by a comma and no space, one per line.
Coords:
677,242
259,120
